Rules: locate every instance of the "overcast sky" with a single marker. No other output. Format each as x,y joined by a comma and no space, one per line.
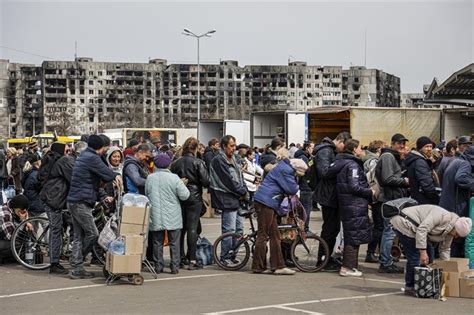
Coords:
413,40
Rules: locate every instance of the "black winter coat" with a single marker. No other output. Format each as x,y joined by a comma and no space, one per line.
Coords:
209,154
190,167
353,195
420,174
56,187
324,156
390,176
31,192
268,158
88,171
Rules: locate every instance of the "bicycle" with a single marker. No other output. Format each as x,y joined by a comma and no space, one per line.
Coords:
309,253
30,241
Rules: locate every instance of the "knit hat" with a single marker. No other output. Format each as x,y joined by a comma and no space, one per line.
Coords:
19,202
162,160
463,226
58,147
299,165
422,141
132,143
95,142
32,145
105,139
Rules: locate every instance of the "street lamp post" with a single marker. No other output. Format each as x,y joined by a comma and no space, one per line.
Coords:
187,32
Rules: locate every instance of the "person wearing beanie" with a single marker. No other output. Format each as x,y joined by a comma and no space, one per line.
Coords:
424,182
30,185
131,148
135,170
353,198
10,216
421,225
165,191
89,170
56,151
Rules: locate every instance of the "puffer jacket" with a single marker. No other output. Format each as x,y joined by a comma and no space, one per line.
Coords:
194,169
56,187
458,183
324,156
88,171
435,223
31,191
420,175
304,186
134,174
389,175
226,183
280,181
353,195
165,190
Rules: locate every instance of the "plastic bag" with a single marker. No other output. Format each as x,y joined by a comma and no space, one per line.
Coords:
108,233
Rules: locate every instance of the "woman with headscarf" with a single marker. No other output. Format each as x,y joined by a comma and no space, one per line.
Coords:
280,181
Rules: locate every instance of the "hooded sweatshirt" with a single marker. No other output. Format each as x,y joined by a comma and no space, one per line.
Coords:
119,168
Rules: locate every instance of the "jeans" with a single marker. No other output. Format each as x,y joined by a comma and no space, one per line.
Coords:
331,227
231,222
55,218
386,244
377,229
267,230
191,214
85,233
158,238
413,258
306,199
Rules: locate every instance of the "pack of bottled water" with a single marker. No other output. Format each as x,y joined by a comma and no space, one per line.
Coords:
135,200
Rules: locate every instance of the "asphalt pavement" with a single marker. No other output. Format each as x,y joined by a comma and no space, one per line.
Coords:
215,291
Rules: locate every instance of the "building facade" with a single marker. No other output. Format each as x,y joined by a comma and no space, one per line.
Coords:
84,96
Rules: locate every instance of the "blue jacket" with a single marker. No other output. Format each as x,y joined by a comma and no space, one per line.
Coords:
353,195
165,191
88,171
458,182
226,183
280,181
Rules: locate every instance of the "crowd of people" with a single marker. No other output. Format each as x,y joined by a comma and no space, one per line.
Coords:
347,181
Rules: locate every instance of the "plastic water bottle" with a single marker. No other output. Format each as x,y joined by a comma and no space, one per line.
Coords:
141,201
128,200
29,257
117,247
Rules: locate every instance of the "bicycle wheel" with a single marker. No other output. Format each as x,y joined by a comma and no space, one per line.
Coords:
238,254
30,247
310,254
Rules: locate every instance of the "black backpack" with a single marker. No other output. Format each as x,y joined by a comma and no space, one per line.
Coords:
312,174
395,207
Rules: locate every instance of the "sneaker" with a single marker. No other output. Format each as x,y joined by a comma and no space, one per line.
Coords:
390,269
371,258
81,274
289,263
284,271
194,266
57,269
409,291
264,272
344,272
332,266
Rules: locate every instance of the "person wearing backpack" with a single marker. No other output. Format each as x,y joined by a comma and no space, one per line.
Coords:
353,197
393,186
421,174
419,225
370,163
325,190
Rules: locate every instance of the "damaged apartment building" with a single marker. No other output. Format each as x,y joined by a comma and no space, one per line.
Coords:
84,96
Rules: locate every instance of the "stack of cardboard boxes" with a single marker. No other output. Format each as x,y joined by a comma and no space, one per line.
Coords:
133,228
458,279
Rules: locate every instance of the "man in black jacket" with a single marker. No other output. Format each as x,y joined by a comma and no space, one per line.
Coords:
325,192
393,185
88,171
211,151
54,194
306,194
421,174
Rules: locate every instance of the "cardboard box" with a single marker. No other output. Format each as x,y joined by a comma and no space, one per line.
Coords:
127,228
135,215
453,265
451,282
466,285
123,264
134,244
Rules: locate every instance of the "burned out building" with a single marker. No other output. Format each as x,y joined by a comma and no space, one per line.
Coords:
84,96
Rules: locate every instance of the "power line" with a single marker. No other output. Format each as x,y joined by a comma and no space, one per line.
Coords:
25,52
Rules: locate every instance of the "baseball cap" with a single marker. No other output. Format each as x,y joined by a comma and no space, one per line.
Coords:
464,140
398,137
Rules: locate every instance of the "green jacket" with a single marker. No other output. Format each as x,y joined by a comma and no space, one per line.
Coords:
165,190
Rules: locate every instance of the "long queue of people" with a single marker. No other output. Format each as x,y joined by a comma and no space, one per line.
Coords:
337,175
